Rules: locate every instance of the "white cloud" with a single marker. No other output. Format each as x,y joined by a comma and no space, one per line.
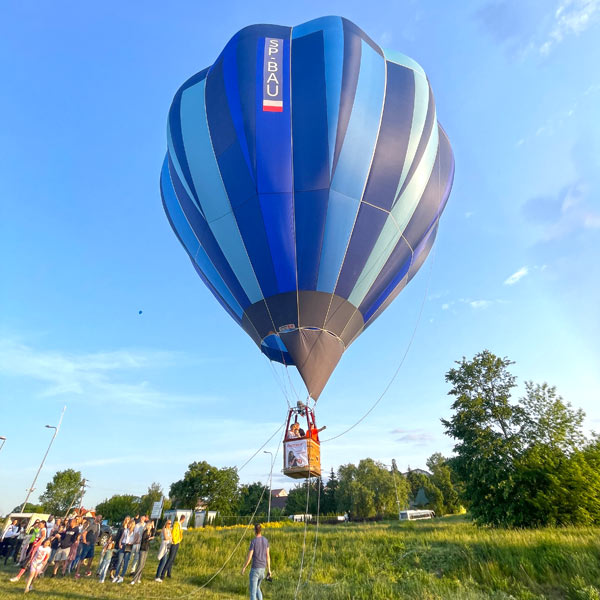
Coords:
419,437
517,276
572,17
477,304
93,377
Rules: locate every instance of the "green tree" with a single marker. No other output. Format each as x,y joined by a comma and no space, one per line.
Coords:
524,464
63,491
486,427
203,483
550,421
441,478
154,494
328,500
116,508
296,499
401,487
29,508
366,490
249,496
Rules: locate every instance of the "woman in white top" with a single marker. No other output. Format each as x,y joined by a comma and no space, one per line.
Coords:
166,537
125,546
38,562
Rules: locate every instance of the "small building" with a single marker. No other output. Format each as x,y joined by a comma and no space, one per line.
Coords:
418,472
205,517
279,498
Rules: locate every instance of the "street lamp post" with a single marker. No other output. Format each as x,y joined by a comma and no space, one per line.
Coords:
270,483
44,459
3,440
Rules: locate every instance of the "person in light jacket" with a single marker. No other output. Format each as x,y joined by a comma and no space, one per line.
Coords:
166,537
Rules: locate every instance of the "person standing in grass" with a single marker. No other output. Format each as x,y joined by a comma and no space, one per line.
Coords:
67,539
9,540
33,548
38,563
260,556
105,559
163,551
177,536
88,541
125,546
137,539
147,536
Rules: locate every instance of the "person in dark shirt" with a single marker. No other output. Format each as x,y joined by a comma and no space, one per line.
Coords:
88,542
260,556
67,539
55,543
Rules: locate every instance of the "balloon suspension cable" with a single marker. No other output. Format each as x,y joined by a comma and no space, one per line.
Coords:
393,378
291,383
280,383
312,564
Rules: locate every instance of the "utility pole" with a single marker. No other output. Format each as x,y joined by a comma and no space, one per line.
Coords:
270,484
83,486
56,429
79,493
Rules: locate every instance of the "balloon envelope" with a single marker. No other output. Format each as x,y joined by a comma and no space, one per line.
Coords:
305,176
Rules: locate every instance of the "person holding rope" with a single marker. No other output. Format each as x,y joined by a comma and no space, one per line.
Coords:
260,556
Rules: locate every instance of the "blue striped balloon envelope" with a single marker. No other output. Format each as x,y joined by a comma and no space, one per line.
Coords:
305,176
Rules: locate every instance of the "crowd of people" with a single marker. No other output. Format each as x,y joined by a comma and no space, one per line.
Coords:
62,547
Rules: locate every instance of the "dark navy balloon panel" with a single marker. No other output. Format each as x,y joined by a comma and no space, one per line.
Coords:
305,176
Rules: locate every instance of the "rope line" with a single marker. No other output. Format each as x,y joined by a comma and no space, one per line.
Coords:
304,538
246,529
253,514
319,482
272,436
393,378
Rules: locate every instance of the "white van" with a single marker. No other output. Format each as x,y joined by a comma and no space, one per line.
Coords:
414,515
25,519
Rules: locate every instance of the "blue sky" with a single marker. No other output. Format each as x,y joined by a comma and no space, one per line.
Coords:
86,245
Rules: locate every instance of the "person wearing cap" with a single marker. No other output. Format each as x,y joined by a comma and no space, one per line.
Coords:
260,556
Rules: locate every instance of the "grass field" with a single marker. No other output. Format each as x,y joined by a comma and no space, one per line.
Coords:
447,558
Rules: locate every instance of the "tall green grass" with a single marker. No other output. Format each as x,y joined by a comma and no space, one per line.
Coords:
447,558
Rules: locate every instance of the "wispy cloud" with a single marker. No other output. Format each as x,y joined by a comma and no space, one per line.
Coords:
572,17
417,437
560,216
108,377
517,276
477,304
536,27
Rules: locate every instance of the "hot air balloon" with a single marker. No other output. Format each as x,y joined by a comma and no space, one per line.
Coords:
305,176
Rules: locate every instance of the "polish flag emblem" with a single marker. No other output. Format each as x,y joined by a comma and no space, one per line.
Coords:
272,105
